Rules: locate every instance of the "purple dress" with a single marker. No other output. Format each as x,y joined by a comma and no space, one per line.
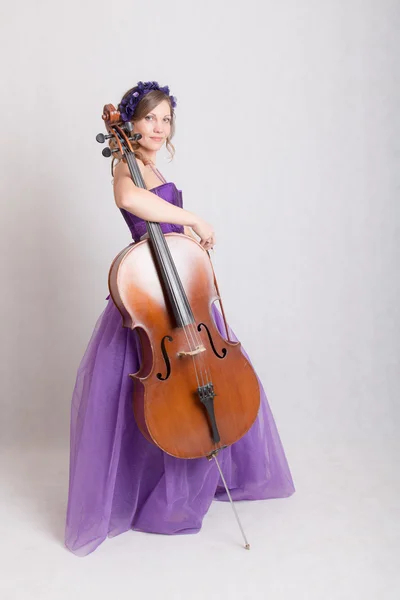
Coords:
118,480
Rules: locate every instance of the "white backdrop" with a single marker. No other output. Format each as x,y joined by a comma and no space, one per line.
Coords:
287,141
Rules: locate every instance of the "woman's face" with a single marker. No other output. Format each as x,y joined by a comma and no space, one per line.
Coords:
155,127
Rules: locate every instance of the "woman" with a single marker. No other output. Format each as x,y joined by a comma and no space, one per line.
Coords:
119,480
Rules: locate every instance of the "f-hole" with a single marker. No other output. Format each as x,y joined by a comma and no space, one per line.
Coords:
224,350
166,358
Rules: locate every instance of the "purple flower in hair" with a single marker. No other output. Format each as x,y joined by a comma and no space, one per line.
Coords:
128,105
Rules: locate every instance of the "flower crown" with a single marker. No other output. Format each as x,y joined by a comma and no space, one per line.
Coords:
128,105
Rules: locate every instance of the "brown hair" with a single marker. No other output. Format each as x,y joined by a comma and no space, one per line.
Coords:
144,106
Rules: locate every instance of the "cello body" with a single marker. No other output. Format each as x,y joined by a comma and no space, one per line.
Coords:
181,361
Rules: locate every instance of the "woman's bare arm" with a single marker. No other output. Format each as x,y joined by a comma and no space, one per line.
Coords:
145,204
150,207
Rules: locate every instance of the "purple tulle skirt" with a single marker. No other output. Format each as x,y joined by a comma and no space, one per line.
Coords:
120,481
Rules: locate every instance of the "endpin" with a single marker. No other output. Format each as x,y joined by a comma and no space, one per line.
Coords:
246,543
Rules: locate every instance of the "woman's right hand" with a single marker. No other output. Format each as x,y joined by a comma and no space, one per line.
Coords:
206,233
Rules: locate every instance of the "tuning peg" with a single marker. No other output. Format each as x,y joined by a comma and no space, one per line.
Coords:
106,152
101,138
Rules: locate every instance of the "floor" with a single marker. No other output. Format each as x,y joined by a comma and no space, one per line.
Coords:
337,537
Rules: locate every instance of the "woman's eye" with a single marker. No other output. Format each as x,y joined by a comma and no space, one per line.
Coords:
167,119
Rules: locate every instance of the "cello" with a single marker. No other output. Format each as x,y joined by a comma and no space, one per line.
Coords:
195,392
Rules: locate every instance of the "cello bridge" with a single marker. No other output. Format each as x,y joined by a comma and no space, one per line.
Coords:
192,352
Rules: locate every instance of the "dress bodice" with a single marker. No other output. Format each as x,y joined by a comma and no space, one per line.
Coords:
169,192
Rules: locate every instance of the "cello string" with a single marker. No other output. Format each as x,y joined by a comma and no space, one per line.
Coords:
178,290
182,306
192,344
196,340
204,369
158,232
190,327
155,232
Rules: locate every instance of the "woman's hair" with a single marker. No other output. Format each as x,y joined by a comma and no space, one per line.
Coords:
144,106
